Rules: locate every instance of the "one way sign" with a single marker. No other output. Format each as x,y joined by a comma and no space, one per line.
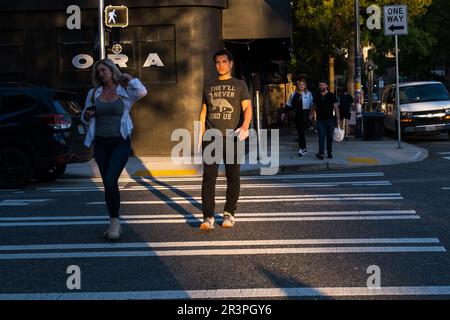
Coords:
395,20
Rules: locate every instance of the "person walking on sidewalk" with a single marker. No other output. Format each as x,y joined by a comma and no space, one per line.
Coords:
107,113
301,102
225,99
345,107
324,104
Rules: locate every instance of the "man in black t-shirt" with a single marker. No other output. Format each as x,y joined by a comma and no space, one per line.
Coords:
225,99
325,104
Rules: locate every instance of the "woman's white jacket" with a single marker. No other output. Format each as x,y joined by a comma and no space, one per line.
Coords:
129,96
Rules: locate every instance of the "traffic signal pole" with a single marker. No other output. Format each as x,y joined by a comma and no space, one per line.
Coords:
101,28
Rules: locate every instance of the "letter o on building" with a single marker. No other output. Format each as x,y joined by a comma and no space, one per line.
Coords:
82,61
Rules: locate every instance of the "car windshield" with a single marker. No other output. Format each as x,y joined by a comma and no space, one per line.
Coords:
423,93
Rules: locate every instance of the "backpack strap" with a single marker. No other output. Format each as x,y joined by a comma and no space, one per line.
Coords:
297,103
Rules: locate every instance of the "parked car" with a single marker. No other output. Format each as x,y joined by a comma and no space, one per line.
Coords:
40,133
424,108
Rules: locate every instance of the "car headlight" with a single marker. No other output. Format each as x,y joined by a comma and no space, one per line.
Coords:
406,114
447,111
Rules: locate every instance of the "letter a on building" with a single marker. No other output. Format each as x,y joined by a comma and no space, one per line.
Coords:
116,16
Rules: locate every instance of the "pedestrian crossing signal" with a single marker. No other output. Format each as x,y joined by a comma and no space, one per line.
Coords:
116,16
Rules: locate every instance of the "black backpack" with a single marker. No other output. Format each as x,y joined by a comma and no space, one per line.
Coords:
297,102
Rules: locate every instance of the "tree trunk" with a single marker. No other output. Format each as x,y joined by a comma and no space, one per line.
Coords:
331,75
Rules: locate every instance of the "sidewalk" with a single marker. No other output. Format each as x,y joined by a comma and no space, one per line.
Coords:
347,155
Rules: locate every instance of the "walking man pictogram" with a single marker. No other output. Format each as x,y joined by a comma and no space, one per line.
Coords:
112,16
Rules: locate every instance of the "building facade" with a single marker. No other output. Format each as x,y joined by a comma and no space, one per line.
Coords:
168,44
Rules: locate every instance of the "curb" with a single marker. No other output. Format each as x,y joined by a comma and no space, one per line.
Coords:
421,155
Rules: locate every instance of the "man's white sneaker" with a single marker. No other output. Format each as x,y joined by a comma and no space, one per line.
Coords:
208,224
228,221
302,152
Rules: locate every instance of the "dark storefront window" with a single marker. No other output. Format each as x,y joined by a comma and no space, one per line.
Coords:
147,52
70,45
11,54
157,54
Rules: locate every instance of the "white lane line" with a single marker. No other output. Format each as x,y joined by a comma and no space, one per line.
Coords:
265,199
277,177
306,196
222,187
189,201
446,158
241,293
236,243
198,220
443,153
221,252
445,188
21,202
199,215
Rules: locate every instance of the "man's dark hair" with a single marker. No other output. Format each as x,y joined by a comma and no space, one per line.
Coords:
223,52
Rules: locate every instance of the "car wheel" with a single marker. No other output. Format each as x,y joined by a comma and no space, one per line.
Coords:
15,168
50,174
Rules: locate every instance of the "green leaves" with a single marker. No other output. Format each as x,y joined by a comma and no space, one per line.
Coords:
321,27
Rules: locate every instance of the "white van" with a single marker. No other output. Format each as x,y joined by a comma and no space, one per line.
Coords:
424,107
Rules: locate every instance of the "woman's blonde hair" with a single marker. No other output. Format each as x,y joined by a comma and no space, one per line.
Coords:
116,74
304,82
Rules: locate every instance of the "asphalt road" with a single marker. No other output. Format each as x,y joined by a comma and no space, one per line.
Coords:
321,235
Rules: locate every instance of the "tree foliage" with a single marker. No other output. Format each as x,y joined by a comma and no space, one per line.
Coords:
324,28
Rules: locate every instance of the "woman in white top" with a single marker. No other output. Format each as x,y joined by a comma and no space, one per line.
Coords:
301,102
107,113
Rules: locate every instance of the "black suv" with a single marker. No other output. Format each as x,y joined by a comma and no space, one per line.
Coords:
40,133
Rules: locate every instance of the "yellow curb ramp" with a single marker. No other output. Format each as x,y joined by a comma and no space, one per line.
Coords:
363,160
165,173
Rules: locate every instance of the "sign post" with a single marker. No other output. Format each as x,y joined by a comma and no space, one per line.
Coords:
258,124
396,24
101,29
358,98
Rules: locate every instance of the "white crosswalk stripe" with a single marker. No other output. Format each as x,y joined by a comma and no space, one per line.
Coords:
253,247
223,187
444,155
271,198
21,202
243,178
228,243
211,248
241,293
196,218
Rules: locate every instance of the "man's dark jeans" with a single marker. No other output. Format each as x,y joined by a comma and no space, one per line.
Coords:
111,155
210,171
325,129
